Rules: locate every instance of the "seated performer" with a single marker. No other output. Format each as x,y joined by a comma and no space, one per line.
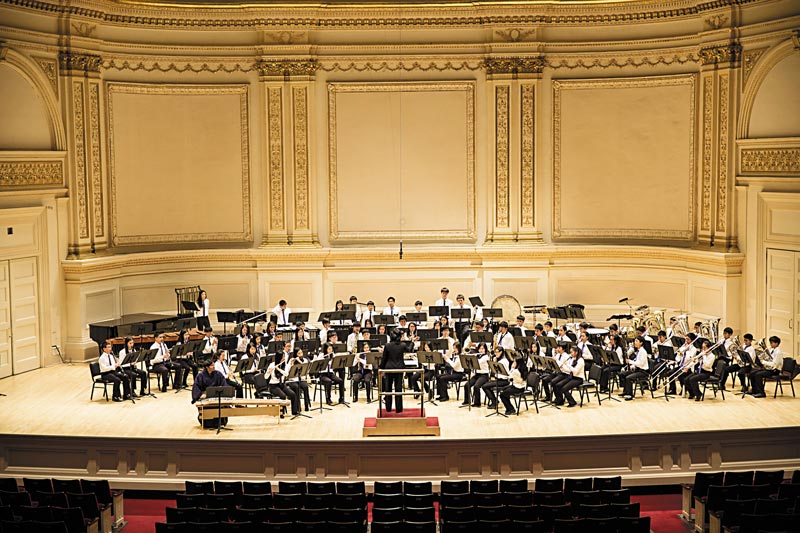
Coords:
328,377
704,369
453,374
772,363
112,373
276,373
162,364
504,338
186,362
637,368
131,370
574,368
243,338
549,381
299,385
746,369
209,377
500,381
479,378
518,379
210,342
685,354
227,372
362,373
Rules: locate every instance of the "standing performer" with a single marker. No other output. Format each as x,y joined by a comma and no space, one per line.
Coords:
391,309
392,360
203,307
282,311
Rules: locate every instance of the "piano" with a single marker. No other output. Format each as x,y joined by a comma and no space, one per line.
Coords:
123,326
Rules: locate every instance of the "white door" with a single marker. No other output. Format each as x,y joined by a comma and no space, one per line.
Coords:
5,321
782,298
24,314
795,324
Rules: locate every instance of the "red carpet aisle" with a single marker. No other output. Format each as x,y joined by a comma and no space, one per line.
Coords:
663,511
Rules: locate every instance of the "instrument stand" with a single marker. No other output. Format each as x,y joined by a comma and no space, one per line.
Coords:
496,370
218,393
497,405
340,362
470,364
141,359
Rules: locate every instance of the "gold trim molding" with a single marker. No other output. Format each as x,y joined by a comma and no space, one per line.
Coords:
771,161
286,68
749,60
722,170
714,55
31,173
514,65
708,134
333,209
81,184
50,69
275,144
94,160
501,172
246,234
77,62
616,233
300,132
527,149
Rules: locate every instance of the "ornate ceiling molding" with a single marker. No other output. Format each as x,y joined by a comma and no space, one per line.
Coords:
31,173
714,55
771,161
77,62
514,65
286,68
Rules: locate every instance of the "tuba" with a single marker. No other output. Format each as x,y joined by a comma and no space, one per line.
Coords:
681,327
762,353
710,330
655,322
733,351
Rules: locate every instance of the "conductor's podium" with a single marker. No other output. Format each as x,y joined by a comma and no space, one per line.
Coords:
212,408
410,423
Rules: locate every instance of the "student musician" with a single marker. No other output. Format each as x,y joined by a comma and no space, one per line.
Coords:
637,367
574,370
471,345
771,365
112,373
162,364
131,370
504,338
429,374
583,346
354,302
613,345
562,336
410,336
253,359
549,381
500,380
362,373
210,342
186,361
282,312
328,377
323,333
227,372
517,380
418,309
243,338
453,374
461,325
202,313
444,301
270,331
298,336
548,329
369,314
704,369
521,324
727,335
391,309
299,385
338,308
684,355
276,372
479,378
354,338
745,370
209,377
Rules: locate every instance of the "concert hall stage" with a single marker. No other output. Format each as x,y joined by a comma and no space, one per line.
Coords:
50,428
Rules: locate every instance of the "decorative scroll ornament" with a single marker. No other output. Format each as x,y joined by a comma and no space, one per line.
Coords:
715,22
729,53
516,35
286,69
751,57
514,65
771,161
79,62
31,173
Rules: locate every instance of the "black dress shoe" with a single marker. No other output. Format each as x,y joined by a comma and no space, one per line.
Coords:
116,399
760,395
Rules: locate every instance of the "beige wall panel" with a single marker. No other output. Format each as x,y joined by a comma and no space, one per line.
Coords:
402,161
525,291
706,300
161,297
776,108
23,114
148,299
784,224
101,305
178,163
298,294
615,141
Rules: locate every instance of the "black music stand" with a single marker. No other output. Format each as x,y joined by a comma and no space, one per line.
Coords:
318,367
559,313
220,392
481,337
524,343
417,317
294,318
275,347
439,344
427,334
139,329
747,361
383,319
340,348
470,364
496,369
461,314
298,370
145,356
550,365
342,362
374,359
475,301
309,347
437,310
575,311
609,357
676,341
431,358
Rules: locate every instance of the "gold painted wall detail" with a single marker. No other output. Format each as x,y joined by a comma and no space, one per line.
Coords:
620,62
722,170
80,159
275,126
527,142
422,65
31,173
514,65
501,153
749,60
74,61
179,67
771,161
50,69
286,68
515,35
300,108
729,53
96,168
708,132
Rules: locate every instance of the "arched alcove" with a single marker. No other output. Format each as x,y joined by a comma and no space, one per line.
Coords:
23,114
776,107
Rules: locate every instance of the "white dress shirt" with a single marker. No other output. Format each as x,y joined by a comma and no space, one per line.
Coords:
282,314
506,340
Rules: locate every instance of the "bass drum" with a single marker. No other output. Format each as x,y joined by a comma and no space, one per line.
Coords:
510,306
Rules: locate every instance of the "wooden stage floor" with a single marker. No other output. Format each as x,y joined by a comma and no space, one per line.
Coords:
50,407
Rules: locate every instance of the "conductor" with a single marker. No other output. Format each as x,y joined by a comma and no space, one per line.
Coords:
393,359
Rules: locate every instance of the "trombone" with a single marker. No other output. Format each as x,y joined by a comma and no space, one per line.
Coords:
693,360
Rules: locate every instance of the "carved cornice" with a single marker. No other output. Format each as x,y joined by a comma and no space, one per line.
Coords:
286,68
771,161
514,65
31,173
78,62
50,69
373,15
749,60
713,55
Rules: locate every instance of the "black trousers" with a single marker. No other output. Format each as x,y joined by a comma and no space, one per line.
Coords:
280,391
564,388
757,378
236,385
393,381
507,392
202,322
476,382
132,374
366,377
443,380
627,377
413,380
117,378
490,387
328,380
693,382
300,387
